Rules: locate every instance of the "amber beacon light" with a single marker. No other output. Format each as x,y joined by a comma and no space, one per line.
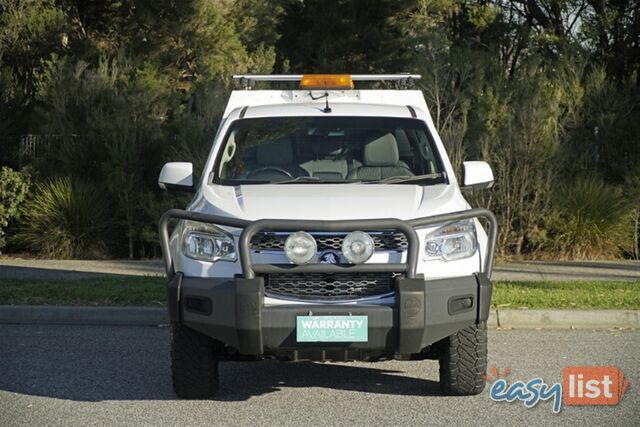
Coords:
326,81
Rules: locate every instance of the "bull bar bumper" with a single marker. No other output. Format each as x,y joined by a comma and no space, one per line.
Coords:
232,310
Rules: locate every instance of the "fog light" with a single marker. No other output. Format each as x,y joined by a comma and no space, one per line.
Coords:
357,247
300,247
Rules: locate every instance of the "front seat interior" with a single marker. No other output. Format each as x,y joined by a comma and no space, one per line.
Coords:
381,160
275,161
329,161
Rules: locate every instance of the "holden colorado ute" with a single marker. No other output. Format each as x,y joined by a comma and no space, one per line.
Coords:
327,225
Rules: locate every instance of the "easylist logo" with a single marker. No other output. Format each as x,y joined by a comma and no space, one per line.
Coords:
593,385
581,385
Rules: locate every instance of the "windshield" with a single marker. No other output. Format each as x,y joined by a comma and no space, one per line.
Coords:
328,150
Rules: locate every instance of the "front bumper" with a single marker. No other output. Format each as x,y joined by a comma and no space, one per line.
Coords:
232,310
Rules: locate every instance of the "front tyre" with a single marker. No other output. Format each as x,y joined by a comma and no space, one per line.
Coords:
463,361
194,363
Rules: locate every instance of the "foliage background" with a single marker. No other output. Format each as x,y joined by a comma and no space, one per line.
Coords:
547,91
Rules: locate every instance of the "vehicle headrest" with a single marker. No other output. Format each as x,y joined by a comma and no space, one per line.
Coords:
275,153
326,147
404,146
382,151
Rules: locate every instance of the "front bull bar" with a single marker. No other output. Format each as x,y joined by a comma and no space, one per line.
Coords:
251,228
410,289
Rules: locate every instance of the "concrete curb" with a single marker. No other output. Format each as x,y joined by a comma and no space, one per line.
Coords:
151,316
564,319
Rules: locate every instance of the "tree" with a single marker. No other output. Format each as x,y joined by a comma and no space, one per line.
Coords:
356,36
13,191
545,90
612,33
29,32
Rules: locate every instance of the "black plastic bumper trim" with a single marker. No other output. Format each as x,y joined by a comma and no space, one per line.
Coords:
485,291
249,295
410,294
420,317
173,297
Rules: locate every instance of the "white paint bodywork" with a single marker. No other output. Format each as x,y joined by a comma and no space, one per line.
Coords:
176,173
328,201
280,98
477,174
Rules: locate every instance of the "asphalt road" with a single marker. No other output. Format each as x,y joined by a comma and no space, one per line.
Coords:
83,375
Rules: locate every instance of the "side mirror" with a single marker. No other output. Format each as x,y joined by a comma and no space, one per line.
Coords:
177,176
476,176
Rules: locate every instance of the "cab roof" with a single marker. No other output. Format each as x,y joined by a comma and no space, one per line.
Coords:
317,108
269,103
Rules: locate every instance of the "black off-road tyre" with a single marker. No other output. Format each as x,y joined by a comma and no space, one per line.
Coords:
463,361
194,363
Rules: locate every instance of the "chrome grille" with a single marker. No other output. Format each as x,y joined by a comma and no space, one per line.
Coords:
382,241
329,286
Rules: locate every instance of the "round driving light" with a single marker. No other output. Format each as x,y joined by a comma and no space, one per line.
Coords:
300,247
357,247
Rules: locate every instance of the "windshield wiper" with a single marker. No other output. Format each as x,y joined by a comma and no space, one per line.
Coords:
314,180
407,179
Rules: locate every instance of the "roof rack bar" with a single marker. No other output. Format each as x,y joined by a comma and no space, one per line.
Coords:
269,77
383,77
298,77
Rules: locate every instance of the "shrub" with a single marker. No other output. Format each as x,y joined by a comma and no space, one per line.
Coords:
65,219
589,221
13,190
632,194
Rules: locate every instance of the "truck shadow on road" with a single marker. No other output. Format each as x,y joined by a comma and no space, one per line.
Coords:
99,363
240,381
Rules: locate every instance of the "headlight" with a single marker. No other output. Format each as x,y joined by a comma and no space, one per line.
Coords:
206,242
357,247
300,247
452,241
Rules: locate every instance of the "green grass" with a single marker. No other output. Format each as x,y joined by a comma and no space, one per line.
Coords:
150,291
567,295
131,290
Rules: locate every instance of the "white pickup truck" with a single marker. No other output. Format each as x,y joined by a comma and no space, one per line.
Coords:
328,225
